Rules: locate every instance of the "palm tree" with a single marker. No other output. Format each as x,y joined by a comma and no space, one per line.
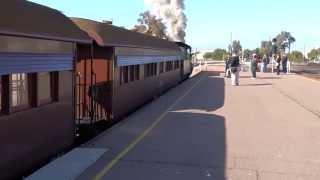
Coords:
291,40
284,40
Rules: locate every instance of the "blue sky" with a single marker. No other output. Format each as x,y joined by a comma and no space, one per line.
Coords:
210,22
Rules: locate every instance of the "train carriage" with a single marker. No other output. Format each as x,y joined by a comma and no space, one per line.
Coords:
135,69
37,55
71,70
186,64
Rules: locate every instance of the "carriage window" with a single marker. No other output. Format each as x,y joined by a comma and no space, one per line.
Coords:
137,72
121,75
150,69
154,69
1,94
176,65
124,74
44,88
169,66
131,73
19,90
161,67
146,70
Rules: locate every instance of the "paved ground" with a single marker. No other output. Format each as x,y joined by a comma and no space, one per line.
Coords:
265,129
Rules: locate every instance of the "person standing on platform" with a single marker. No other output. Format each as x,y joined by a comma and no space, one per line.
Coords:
278,62
227,67
284,63
264,64
235,68
273,54
254,66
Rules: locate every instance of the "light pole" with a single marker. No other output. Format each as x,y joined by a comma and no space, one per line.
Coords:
304,52
231,48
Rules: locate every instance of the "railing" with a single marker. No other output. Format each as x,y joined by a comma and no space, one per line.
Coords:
88,110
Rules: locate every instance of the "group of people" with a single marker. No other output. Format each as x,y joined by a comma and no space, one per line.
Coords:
233,65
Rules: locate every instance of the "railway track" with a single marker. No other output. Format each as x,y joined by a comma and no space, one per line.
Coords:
310,71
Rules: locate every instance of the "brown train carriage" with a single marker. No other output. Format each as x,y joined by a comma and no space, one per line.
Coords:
124,70
186,64
37,55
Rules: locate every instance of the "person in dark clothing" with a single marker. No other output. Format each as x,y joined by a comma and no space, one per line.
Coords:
227,67
264,63
254,66
278,62
235,69
284,63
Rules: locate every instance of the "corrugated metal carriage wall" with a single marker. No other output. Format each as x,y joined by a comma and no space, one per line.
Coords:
28,62
138,60
28,55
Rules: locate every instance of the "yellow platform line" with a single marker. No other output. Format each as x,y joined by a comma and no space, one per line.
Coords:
114,161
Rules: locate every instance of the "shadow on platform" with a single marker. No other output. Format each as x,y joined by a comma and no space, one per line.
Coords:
258,77
269,77
198,141
261,84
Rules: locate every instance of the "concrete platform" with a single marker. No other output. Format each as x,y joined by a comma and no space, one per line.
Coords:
264,129
69,166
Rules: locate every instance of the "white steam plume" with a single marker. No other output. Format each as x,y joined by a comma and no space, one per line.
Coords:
172,15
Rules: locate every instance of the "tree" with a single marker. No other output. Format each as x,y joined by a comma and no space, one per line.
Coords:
150,25
266,47
219,54
296,56
284,40
247,53
291,40
207,55
236,46
314,54
258,52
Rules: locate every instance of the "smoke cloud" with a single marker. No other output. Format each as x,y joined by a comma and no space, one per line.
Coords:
172,15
